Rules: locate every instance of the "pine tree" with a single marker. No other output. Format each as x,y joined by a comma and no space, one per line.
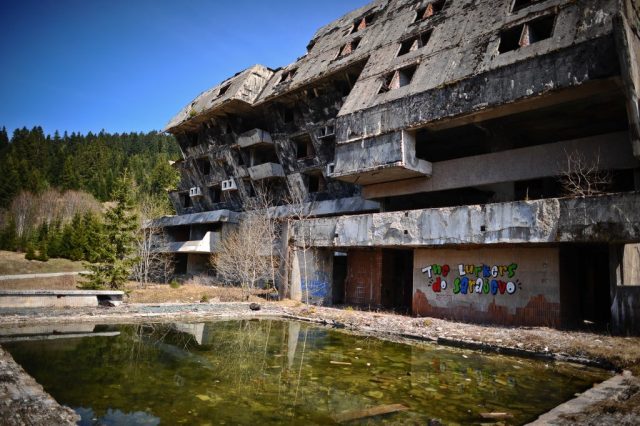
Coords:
31,253
43,254
4,139
115,259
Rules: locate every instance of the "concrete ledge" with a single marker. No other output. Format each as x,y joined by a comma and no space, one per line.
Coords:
605,390
57,298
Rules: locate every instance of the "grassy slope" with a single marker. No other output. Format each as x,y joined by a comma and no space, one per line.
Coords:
14,264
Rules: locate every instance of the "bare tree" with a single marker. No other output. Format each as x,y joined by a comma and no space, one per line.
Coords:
153,263
264,205
243,256
582,176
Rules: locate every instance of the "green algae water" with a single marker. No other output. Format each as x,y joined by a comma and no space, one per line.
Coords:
262,372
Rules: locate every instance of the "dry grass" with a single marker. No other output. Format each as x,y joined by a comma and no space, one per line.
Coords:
68,282
187,293
12,263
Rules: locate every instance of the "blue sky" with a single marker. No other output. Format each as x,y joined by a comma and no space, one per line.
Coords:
129,65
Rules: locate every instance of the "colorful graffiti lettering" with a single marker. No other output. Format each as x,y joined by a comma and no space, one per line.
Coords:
474,279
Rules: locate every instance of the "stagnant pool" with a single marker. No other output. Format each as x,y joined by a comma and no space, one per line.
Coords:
278,372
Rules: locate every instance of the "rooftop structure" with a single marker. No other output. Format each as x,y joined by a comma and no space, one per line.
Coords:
442,149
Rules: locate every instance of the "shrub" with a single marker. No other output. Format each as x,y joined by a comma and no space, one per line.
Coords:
174,283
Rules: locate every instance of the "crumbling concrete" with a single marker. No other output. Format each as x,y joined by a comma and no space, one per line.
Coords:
413,125
24,401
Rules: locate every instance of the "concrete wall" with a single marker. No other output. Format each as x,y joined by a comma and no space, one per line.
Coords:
316,279
515,286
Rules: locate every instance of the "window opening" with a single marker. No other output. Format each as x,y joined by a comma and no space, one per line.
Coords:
304,147
526,34
288,75
429,10
399,78
316,183
363,23
415,43
223,90
348,48
185,200
215,193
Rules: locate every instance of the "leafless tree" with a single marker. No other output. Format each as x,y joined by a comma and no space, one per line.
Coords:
582,176
23,209
32,210
153,263
243,256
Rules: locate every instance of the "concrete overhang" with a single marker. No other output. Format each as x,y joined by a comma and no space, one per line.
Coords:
234,95
266,171
217,216
386,158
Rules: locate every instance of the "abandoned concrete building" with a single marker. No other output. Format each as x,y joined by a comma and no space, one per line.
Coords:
477,160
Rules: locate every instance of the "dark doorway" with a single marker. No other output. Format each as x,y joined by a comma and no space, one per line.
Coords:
585,288
397,280
339,276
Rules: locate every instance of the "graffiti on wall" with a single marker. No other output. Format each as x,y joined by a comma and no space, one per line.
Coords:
473,279
318,285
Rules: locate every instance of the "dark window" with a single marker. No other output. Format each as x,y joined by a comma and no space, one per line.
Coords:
526,34
399,78
288,75
185,200
316,183
304,146
521,4
363,23
415,43
429,10
215,194
223,90
204,166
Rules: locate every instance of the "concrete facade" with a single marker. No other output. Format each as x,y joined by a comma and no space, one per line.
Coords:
416,132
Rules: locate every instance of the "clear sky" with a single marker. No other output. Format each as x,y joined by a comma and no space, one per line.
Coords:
130,65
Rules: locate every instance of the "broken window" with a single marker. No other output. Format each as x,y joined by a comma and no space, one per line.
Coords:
204,166
521,4
398,78
363,23
288,75
526,34
304,147
348,48
429,10
415,43
215,194
223,90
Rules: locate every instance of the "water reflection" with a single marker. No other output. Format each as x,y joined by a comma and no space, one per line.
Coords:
275,372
